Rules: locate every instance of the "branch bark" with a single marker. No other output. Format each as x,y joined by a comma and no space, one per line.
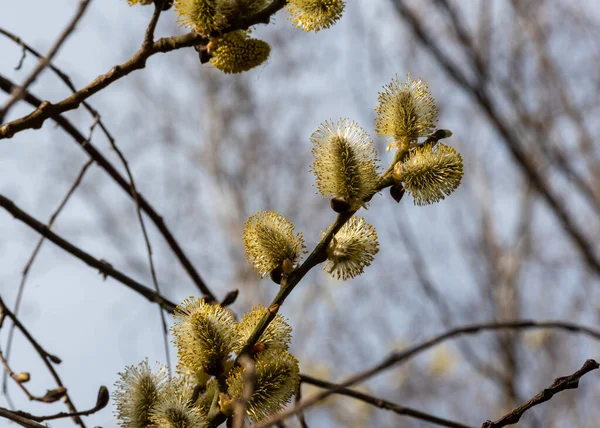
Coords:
103,267
559,384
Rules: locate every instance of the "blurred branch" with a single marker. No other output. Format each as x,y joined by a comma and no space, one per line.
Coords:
138,210
297,399
6,85
399,357
45,61
482,97
104,267
48,110
559,384
239,408
380,403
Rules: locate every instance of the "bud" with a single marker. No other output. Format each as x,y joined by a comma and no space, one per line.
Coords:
340,206
405,112
431,173
315,15
203,16
164,4
174,409
22,377
351,250
277,335
277,381
204,336
236,52
53,395
142,2
397,192
137,392
345,164
230,297
270,240
103,398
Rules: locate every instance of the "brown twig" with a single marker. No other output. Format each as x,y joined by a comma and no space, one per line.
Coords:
559,384
148,41
33,256
19,383
297,399
381,403
46,357
402,356
48,110
482,96
104,267
24,422
45,61
101,402
7,86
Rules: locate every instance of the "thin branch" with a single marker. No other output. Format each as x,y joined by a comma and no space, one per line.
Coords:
559,384
101,402
480,93
297,399
24,422
46,357
402,356
44,62
381,403
7,86
104,267
32,258
138,209
48,110
19,383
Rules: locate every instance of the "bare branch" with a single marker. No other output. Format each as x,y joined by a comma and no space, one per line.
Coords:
381,403
6,85
101,402
481,95
44,62
402,356
46,357
559,384
32,258
103,267
24,422
48,110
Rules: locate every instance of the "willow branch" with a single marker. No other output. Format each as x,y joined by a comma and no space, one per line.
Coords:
24,422
560,384
45,61
6,85
381,403
101,402
402,356
48,110
482,97
32,258
104,267
48,358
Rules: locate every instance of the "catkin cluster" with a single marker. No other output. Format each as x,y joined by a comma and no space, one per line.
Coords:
208,380
210,343
347,172
235,51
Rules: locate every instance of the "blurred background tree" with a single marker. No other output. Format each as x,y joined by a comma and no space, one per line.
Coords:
516,82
